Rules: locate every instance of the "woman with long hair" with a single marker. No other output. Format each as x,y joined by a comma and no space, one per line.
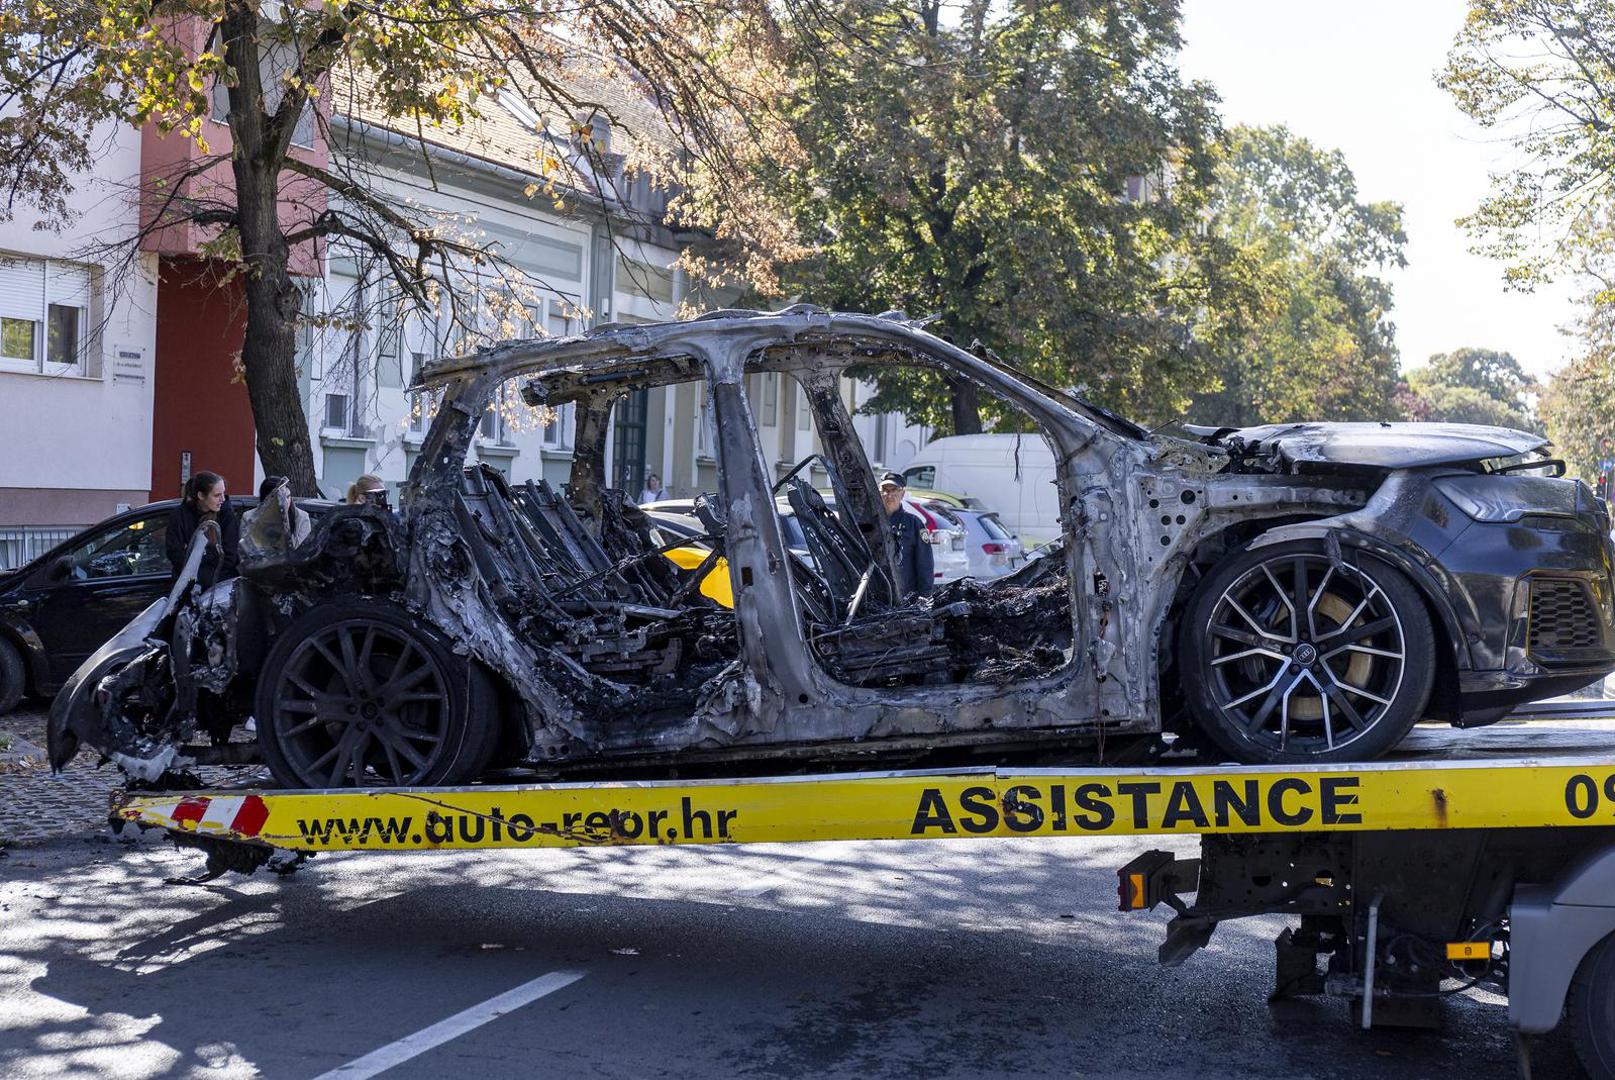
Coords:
205,505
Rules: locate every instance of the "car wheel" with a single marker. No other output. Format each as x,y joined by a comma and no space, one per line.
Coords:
11,677
1289,657
360,693
1590,1010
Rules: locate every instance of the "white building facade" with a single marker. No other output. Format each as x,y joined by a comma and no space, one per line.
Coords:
580,264
77,341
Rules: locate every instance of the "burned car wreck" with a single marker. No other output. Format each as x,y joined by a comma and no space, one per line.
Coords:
1295,593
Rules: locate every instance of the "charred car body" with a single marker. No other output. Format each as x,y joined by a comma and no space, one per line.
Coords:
1298,593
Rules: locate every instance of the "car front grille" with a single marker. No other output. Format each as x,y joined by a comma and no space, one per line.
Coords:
1563,617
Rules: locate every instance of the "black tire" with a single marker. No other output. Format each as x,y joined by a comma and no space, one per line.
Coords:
1590,1011
1344,682
12,678
358,692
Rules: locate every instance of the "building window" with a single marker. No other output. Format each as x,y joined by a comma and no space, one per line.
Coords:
422,406
349,378
706,436
44,315
804,415
558,432
62,340
495,426
771,398
336,411
388,343
17,338
276,60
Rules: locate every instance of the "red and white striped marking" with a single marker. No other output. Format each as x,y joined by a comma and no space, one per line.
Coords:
242,815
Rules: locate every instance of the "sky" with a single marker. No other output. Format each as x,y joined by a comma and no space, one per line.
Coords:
1360,78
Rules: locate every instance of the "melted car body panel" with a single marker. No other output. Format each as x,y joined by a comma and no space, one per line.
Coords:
609,659
1381,446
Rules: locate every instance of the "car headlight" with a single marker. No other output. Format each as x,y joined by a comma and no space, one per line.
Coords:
1510,498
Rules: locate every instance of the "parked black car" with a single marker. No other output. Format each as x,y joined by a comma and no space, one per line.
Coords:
58,609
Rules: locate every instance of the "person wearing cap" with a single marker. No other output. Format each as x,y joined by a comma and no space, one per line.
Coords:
915,569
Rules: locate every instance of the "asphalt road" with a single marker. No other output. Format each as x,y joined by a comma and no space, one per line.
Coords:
965,958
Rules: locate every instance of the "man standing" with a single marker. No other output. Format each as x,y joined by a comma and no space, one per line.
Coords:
915,571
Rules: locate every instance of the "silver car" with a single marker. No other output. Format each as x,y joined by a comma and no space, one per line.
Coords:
990,548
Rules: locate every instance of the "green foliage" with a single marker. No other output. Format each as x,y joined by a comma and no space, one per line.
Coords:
1474,386
1464,405
1542,73
1578,404
979,170
1303,332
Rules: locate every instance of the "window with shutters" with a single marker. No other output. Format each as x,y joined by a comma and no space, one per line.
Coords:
44,315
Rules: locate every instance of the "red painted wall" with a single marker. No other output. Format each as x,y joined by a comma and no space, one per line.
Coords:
198,403
166,162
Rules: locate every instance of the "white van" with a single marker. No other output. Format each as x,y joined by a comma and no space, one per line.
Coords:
1010,474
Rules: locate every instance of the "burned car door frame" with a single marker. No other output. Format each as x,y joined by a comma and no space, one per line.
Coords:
780,693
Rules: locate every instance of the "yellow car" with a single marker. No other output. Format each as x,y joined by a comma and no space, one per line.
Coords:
716,584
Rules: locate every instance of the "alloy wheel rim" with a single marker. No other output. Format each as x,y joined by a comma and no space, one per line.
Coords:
360,704
1305,655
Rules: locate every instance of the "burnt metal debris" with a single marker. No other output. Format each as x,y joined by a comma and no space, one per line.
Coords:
495,625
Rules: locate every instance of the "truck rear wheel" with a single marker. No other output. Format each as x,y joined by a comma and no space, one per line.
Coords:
360,693
1591,1010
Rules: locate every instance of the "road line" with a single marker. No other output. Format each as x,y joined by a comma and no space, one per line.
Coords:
396,1053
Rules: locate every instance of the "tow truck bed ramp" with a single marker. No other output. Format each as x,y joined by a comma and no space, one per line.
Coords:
1482,858
914,805
1569,783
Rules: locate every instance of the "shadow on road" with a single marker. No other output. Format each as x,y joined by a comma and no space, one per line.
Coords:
880,960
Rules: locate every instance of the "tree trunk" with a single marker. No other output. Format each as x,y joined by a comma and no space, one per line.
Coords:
269,352
965,400
269,356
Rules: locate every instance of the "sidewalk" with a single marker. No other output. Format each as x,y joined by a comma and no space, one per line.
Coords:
36,806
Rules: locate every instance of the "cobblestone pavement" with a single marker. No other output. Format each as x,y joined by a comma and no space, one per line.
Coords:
36,806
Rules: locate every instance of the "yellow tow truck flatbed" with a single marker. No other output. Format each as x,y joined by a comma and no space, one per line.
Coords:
1531,792
1483,857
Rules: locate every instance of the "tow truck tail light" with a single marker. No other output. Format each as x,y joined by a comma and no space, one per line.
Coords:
1134,892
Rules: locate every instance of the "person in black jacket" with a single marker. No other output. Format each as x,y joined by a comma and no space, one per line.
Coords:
205,502
916,568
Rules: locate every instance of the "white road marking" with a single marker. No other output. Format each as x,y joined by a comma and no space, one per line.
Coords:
396,1053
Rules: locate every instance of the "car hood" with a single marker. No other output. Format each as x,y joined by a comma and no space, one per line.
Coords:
1387,446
